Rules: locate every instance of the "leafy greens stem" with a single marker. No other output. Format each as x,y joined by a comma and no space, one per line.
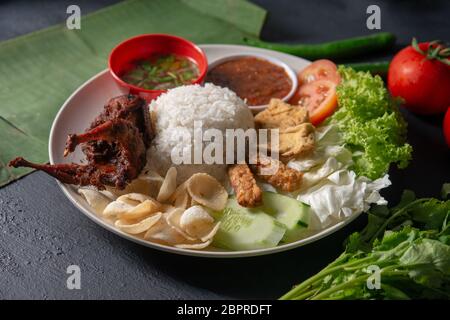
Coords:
307,294
395,215
341,286
308,283
395,273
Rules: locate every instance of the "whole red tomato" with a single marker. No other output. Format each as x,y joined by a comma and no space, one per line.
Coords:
447,126
420,74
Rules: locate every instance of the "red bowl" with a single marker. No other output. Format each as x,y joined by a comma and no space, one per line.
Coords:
124,55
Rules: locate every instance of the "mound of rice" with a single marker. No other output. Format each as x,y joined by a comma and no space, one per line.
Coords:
175,113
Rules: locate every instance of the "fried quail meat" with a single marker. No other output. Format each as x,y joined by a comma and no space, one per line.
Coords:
128,107
248,193
115,147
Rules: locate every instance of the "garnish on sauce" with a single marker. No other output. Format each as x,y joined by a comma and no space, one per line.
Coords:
161,72
254,79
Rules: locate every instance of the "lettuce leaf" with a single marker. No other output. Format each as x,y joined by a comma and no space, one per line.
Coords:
370,124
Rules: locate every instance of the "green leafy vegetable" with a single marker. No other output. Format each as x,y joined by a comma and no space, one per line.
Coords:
408,243
370,123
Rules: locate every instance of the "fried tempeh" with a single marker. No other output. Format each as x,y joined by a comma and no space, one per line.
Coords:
286,179
248,193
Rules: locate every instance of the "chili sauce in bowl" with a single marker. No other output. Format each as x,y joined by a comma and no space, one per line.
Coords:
254,78
162,72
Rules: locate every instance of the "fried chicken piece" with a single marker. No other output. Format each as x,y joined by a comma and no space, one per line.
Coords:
277,174
282,115
248,193
115,147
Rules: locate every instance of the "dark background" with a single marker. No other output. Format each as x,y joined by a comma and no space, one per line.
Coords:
41,233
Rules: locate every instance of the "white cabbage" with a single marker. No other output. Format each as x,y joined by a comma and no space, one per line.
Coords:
333,191
341,195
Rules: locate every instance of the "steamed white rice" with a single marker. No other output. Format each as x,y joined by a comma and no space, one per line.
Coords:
176,111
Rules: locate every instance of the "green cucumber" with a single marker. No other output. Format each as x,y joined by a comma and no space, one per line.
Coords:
295,215
246,228
381,68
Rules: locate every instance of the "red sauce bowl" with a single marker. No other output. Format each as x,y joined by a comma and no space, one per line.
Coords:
124,56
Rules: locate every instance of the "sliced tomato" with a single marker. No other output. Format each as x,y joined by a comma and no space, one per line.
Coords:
319,97
319,70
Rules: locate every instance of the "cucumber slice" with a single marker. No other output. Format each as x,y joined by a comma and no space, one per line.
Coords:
246,229
295,215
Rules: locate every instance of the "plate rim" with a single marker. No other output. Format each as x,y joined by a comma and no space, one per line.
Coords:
67,190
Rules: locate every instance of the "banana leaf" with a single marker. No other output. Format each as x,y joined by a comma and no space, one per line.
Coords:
38,71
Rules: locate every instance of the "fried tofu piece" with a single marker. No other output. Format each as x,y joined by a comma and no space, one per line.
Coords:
248,193
296,133
296,141
277,174
282,115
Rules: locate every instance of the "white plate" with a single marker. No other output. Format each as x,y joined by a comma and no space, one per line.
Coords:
87,102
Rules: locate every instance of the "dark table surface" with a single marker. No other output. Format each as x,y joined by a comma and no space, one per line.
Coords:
41,233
